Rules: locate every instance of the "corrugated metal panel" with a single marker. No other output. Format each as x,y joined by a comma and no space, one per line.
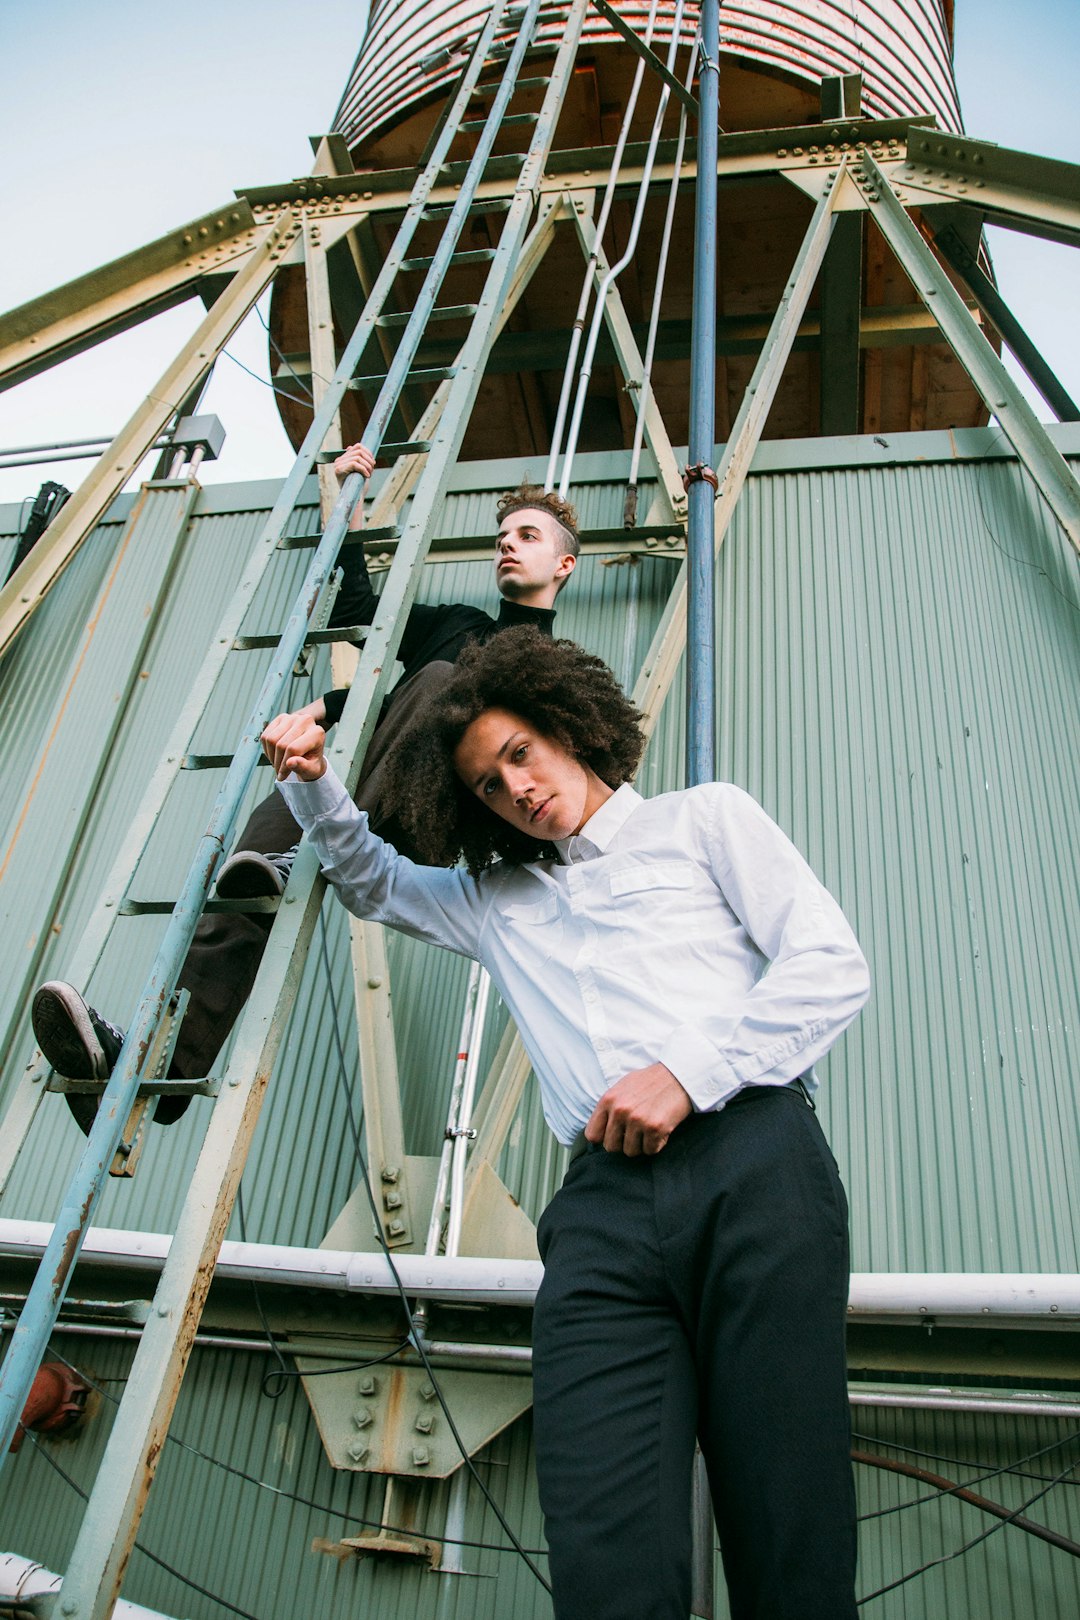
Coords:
901,47
898,685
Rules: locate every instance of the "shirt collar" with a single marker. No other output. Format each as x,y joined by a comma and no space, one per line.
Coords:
600,829
513,614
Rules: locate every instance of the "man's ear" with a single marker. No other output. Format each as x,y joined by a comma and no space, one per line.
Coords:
567,564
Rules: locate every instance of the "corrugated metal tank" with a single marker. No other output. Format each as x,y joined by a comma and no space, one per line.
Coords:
902,48
774,56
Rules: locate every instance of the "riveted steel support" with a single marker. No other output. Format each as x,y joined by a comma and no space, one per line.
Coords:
30,581
1055,480
662,659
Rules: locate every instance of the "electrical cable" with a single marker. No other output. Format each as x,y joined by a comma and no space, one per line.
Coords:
983,1472
279,1377
958,1552
416,1340
293,373
266,384
204,1591
293,1496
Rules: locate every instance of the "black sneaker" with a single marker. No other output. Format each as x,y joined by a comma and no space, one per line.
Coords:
247,875
77,1041
81,1045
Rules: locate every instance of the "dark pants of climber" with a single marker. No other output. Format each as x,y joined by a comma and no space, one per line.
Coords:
700,1292
225,953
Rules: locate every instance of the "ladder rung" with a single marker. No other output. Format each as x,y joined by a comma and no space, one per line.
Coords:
469,256
314,638
446,312
405,447
483,205
424,374
164,908
211,762
152,1088
472,124
521,84
308,542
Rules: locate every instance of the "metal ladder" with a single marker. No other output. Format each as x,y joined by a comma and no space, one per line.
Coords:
108,1530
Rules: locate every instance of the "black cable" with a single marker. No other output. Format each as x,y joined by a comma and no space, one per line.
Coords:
292,1496
169,1569
979,1478
958,1552
297,379
1012,557
284,392
377,1214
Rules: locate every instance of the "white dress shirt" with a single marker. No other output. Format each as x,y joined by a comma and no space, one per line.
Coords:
685,930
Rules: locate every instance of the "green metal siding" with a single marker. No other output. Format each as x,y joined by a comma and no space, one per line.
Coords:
898,682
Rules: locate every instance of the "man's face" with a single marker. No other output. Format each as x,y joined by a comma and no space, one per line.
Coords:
530,781
530,559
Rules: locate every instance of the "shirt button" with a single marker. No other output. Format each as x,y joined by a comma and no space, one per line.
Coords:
590,995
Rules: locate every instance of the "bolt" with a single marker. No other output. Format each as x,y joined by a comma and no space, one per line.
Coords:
396,1229
390,1174
363,1417
392,1200
425,1423
358,1451
421,1456
369,1385
427,1392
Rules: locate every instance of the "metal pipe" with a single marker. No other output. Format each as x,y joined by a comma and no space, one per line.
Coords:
442,1181
630,512
1051,1299
590,268
463,1132
616,269
701,592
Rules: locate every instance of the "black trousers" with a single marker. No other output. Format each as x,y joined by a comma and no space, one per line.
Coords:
224,955
698,1292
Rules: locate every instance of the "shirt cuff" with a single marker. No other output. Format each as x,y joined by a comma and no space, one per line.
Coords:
310,802
707,1078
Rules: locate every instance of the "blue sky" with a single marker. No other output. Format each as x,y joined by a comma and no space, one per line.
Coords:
123,120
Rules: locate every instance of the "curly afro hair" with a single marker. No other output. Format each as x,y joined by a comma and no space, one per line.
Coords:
558,688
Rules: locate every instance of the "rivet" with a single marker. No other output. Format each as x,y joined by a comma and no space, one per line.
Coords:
390,1174
369,1385
359,1450
781,151
363,1417
421,1457
425,1423
796,151
374,984
427,1392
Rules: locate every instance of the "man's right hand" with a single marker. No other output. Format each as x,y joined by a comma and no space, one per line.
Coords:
295,743
356,459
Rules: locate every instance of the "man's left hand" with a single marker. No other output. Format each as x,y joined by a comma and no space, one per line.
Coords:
639,1112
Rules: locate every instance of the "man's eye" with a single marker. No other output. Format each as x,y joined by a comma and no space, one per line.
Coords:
489,787
520,752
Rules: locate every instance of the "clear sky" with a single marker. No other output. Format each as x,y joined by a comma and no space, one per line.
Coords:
121,120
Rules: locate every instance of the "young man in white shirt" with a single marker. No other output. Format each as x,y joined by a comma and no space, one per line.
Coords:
675,970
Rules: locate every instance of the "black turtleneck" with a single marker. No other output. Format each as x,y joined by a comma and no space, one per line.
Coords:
431,633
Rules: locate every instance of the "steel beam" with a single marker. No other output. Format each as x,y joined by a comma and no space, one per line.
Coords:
1053,476
119,295
997,311
1039,196
31,580
841,329
649,57
662,659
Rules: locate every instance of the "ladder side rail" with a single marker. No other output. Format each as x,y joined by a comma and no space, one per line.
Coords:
92,944
126,1471
436,274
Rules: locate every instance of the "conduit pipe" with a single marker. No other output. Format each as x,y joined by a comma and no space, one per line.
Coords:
1049,1299
590,268
24,1578
616,269
463,1131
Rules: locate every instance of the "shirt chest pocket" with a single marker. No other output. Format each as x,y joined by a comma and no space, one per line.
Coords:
533,927
649,900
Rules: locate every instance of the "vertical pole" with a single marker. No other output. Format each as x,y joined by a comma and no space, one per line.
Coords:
701,480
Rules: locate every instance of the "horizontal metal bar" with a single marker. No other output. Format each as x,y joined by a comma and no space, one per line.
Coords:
152,1088
482,205
422,374
353,537
1037,195
472,124
444,312
314,638
676,87
1018,1299
466,256
213,762
536,83
164,908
